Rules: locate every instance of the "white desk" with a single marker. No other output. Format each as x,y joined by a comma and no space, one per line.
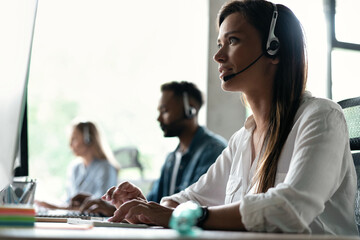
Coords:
64,231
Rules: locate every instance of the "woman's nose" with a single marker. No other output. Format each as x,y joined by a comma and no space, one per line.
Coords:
219,56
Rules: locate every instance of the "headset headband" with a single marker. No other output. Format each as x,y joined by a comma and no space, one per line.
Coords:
273,44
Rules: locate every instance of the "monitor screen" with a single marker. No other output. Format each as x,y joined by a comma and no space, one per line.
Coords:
17,21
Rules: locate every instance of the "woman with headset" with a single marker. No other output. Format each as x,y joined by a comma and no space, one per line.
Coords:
95,169
289,169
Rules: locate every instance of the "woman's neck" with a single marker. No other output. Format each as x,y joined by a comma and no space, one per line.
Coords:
261,107
87,159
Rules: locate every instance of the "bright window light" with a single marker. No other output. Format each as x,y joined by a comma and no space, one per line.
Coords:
105,60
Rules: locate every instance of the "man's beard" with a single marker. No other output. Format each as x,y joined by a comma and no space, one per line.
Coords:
173,129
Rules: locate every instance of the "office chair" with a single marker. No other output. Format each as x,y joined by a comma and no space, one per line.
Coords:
351,108
128,157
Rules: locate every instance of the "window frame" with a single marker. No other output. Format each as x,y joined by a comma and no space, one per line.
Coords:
333,43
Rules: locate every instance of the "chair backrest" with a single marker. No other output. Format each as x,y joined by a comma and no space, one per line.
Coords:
128,157
351,108
356,157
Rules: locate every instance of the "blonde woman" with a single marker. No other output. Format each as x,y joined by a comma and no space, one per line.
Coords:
94,169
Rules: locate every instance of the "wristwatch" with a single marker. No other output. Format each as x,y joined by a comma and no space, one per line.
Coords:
204,215
186,216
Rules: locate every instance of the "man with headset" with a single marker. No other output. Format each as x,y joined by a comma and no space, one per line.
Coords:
198,147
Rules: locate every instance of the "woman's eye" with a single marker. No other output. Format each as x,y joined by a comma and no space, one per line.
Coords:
233,40
219,45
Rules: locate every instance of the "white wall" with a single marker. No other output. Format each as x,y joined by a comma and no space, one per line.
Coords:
225,112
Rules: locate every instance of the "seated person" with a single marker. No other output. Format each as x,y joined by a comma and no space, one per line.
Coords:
289,169
198,147
93,172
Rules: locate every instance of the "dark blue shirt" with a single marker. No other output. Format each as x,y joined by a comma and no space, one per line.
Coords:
204,149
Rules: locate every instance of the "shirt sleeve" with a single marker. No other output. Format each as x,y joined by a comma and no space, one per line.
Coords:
316,170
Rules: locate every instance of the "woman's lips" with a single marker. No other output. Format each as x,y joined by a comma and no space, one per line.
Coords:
224,72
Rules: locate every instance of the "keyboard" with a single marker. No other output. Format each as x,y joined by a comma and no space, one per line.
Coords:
60,215
105,223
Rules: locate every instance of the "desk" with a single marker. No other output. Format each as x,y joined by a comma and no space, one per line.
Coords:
49,231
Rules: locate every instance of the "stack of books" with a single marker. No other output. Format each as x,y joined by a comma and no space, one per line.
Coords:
17,215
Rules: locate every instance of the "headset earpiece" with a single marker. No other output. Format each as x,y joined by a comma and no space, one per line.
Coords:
273,44
190,112
87,138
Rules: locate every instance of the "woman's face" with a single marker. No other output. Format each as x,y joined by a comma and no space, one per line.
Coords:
239,45
77,144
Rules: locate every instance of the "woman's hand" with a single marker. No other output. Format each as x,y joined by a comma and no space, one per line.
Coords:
140,211
124,192
77,200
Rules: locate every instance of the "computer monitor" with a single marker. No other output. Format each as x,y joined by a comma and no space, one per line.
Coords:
22,159
17,22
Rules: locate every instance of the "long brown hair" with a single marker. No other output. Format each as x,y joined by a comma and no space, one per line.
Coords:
289,82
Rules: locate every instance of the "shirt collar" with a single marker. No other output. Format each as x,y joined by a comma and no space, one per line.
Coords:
250,123
199,134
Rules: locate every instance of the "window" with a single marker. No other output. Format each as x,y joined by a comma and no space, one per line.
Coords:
105,60
345,74
347,21
344,49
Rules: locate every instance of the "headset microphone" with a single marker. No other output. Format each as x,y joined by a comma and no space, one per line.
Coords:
227,78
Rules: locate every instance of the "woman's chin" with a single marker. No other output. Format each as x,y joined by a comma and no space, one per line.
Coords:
226,86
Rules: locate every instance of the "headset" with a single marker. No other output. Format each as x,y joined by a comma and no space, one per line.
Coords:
190,111
273,43
86,133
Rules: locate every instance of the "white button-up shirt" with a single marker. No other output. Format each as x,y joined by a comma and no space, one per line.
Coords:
315,183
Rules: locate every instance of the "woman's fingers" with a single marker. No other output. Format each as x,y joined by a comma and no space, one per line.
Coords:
140,211
124,192
108,195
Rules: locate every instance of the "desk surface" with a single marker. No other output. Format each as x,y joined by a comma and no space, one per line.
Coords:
64,231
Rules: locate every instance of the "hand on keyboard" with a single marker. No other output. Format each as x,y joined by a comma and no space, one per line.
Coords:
98,206
124,192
